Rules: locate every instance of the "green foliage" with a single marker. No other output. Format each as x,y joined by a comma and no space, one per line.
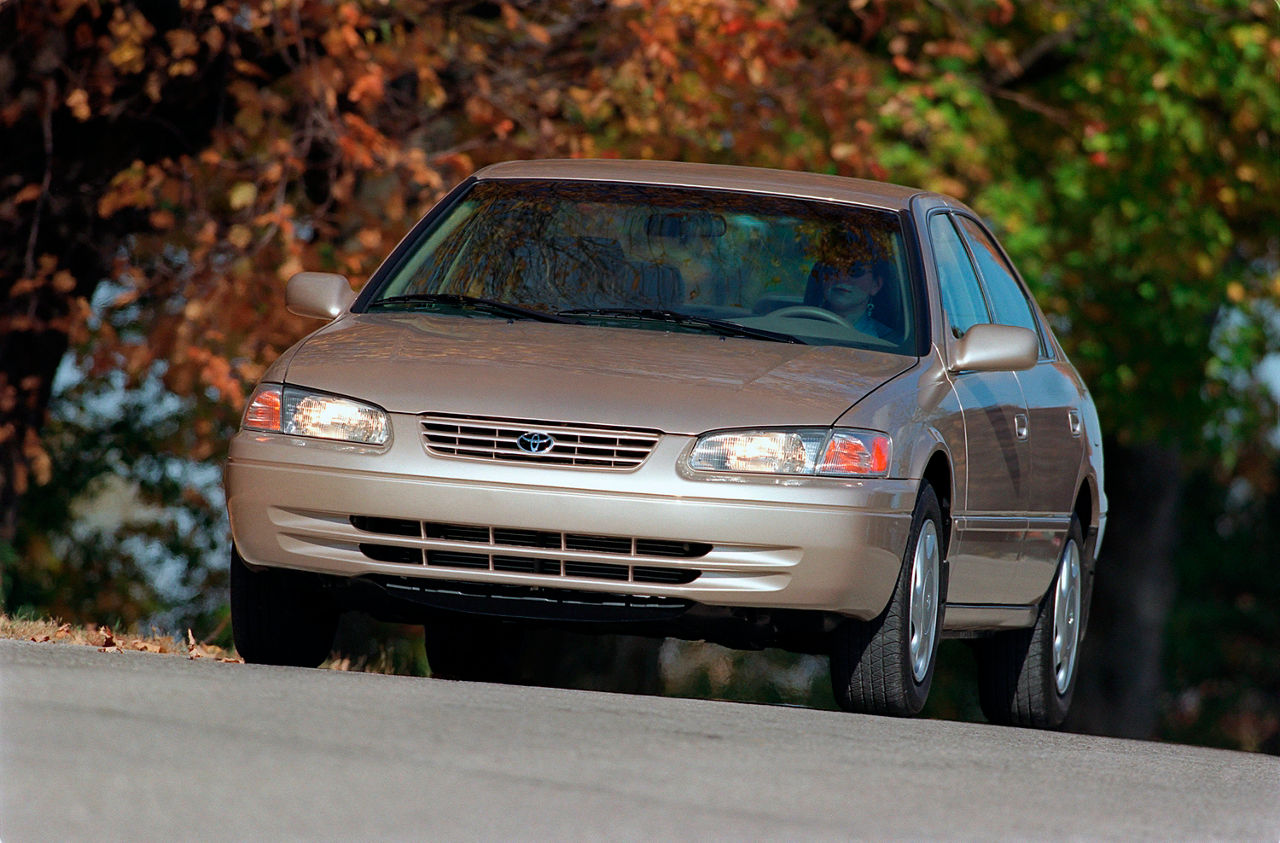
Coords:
1156,202
129,531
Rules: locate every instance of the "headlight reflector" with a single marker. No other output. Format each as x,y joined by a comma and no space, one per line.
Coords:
302,412
759,451
811,451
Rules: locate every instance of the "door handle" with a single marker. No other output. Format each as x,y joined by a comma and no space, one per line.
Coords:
1021,425
1073,422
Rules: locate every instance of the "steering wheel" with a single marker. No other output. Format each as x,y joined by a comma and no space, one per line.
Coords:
805,311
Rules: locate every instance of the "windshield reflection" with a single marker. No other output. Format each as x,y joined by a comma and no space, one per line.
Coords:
779,268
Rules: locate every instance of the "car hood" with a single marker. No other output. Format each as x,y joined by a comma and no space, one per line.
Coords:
669,381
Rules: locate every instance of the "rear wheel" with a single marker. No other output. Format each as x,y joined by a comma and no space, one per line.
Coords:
885,666
1027,676
279,616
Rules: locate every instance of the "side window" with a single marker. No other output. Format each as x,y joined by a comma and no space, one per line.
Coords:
1008,302
961,295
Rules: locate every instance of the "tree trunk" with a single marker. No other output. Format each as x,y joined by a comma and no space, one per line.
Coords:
1118,692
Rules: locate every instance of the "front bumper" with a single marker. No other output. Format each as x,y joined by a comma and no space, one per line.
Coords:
795,543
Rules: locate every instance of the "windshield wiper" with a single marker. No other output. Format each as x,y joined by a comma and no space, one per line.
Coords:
490,307
723,327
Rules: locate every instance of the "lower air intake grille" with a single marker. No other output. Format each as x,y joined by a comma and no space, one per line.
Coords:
502,547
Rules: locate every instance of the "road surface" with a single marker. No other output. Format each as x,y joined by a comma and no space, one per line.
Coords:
115,746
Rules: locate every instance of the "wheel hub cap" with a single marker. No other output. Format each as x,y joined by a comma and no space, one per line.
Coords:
1066,617
923,604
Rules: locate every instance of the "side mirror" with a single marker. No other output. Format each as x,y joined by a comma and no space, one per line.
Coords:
322,295
995,348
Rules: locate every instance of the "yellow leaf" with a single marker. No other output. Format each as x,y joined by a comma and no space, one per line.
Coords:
289,268
242,195
127,56
214,38
240,236
539,34
78,102
510,16
182,42
64,282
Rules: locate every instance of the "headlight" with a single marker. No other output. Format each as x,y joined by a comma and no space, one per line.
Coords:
820,451
301,412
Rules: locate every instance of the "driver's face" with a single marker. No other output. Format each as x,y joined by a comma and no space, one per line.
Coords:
845,290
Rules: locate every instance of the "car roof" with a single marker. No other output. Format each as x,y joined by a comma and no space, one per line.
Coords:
711,176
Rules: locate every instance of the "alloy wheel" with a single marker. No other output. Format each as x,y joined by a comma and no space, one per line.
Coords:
1066,617
923,606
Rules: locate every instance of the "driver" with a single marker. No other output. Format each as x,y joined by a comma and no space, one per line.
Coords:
846,291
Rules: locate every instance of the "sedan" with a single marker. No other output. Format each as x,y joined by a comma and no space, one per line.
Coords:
761,408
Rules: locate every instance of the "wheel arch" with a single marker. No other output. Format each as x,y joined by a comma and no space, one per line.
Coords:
1087,510
937,472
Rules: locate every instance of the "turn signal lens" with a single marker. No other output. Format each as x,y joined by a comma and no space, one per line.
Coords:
856,453
263,412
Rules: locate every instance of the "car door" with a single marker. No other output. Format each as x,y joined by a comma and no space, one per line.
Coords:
990,513
1054,422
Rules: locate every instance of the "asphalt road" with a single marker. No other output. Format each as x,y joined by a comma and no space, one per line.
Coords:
113,746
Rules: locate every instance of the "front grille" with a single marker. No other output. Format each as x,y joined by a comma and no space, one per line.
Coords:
543,443
502,546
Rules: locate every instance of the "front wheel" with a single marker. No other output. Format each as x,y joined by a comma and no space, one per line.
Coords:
885,666
1026,677
279,617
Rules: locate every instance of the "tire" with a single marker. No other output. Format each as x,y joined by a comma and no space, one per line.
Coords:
1026,677
279,617
472,649
885,666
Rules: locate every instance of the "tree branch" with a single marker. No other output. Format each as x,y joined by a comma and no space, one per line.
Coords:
46,124
1031,56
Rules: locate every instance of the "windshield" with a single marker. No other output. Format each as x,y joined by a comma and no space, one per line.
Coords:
663,258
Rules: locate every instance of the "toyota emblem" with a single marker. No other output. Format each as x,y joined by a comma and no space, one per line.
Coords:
535,442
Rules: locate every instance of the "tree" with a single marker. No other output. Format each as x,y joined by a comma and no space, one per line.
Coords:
197,154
